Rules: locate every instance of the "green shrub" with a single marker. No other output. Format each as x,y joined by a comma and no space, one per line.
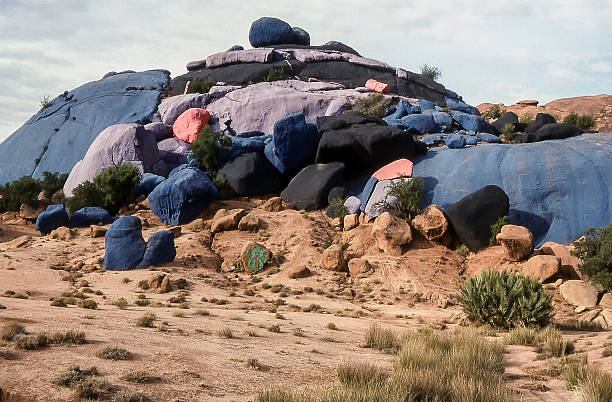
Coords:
504,300
496,229
276,74
407,193
84,195
209,148
527,119
114,353
337,208
45,102
595,251
146,320
583,122
23,190
494,113
381,338
10,330
200,86
117,185
53,182
508,132
431,72
31,342
373,105
89,304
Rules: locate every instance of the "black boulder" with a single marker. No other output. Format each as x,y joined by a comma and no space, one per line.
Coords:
310,187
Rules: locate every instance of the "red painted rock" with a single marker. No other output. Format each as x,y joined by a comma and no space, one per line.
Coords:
377,86
398,168
190,123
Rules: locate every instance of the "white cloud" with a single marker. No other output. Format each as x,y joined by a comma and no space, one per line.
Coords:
602,67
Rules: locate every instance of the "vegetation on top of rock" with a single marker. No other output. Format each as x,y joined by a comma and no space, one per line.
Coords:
200,86
527,119
276,74
208,149
504,300
583,122
431,72
53,182
496,229
373,105
45,102
508,132
494,113
407,193
112,189
595,251
338,209
23,190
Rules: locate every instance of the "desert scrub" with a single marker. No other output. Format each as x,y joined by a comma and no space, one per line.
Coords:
146,320
462,250
274,328
10,330
591,384
121,303
31,342
276,74
381,338
373,105
73,337
431,72
74,375
358,374
114,353
595,251
208,149
550,341
226,333
141,377
407,193
527,119
200,86
496,229
508,133
494,113
504,300
52,182
88,304
583,122
23,190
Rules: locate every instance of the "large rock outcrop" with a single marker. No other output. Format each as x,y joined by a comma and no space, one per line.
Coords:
557,189
58,136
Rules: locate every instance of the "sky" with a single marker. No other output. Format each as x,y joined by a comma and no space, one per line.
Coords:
487,51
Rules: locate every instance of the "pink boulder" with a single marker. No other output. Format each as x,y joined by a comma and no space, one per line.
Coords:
190,123
377,86
398,168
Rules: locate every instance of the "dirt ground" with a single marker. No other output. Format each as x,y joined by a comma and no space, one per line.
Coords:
185,346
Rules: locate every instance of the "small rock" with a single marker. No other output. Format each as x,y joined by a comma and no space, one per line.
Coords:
541,267
348,292
391,233
249,223
333,258
606,301
62,233
30,213
196,225
165,286
144,203
588,317
358,266
227,220
58,197
432,224
15,243
97,231
176,231
600,321
299,271
517,242
255,257
351,221
569,264
580,309
579,293
274,204
336,223
155,280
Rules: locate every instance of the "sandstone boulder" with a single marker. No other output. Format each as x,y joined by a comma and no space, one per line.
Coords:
227,220
249,223
579,293
570,265
97,231
298,271
274,204
391,233
517,242
62,233
351,221
358,267
541,267
333,258
432,224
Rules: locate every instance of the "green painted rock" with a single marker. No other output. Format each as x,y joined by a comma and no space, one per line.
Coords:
255,257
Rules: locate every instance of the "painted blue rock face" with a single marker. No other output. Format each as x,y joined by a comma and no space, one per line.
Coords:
124,245
52,218
90,216
57,137
270,31
557,189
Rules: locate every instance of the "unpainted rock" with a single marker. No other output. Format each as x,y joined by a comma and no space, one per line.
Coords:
391,233
570,265
517,242
433,225
579,293
358,267
249,223
333,258
30,213
351,221
274,204
227,220
606,301
62,233
298,271
541,267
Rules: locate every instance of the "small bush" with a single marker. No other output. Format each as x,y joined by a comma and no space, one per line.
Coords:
431,72
31,342
117,184
408,193
595,251
332,326
381,338
52,182
93,389
23,190
583,122
10,330
338,209
373,105
74,375
276,74
73,337
494,113
255,364
146,320
522,336
85,195
504,300
274,328
121,303
462,250
527,119
141,377
508,133
360,374
89,304
590,383
225,333
496,229
45,102
114,353
553,344
142,302
208,149
200,86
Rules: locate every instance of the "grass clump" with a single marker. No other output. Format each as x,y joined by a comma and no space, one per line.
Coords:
583,122
359,374
226,333
496,229
73,337
550,341
74,375
373,105
595,251
10,330
431,72
274,328
141,377
504,300
92,389
142,302
276,74
31,342
208,149
200,86
121,303
146,320
407,193
591,384
381,338
88,304
114,353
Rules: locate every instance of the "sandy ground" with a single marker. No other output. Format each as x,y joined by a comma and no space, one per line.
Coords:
185,349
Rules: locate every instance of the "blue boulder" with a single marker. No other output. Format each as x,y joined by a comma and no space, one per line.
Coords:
434,139
367,192
403,109
493,139
423,123
455,141
443,120
243,145
182,196
471,122
461,106
124,245
235,48
294,144
300,37
471,140
415,109
453,95
147,183
557,189
58,136
268,31
52,218
90,216
160,249
424,104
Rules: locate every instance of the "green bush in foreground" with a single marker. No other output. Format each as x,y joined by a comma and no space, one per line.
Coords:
494,113
583,122
508,132
595,251
504,300
209,148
